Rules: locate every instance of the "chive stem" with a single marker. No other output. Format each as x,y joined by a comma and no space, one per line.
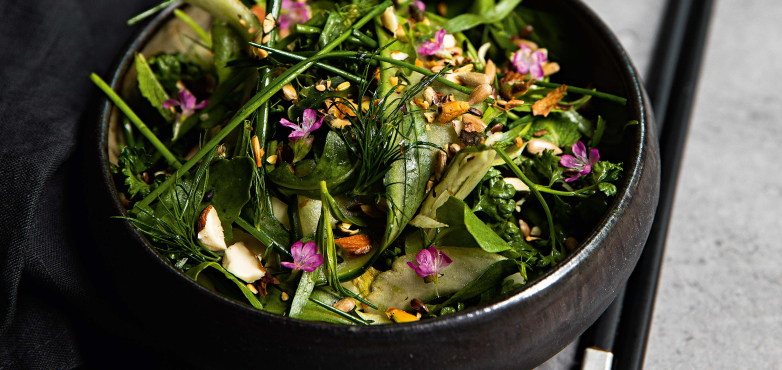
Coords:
356,37
534,189
261,236
259,98
136,121
578,90
339,72
149,12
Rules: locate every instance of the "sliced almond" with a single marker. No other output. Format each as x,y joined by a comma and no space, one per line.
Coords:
550,68
289,92
243,263
513,103
356,245
473,123
269,23
210,230
339,123
464,68
537,146
517,184
544,106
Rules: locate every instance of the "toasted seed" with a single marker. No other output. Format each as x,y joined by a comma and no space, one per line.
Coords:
473,79
459,60
429,185
269,23
419,63
419,306
243,23
400,33
455,51
289,92
550,68
272,159
320,87
453,109
480,93
513,103
421,103
517,184
389,20
436,69
496,128
345,304
458,126
439,164
475,112
265,39
519,143
536,231
473,123
252,288
284,297
453,149
525,230
540,133
257,151
260,53
343,86
501,102
429,116
537,146
490,71
251,30
464,68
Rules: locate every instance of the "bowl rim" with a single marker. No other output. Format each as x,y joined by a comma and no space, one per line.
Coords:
632,170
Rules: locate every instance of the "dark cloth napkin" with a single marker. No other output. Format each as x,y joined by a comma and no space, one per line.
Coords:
56,311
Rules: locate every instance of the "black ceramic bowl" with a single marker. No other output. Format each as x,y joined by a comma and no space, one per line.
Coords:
517,331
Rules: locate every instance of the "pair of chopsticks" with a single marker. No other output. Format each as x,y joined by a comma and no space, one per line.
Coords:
619,337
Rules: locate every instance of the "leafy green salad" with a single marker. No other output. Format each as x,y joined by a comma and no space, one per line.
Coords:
360,162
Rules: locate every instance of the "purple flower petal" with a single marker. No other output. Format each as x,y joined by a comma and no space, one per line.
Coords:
289,265
539,57
568,161
429,48
309,115
536,71
289,124
587,169
439,36
417,270
201,105
420,4
187,99
430,262
594,157
579,150
296,135
574,178
296,250
310,249
170,103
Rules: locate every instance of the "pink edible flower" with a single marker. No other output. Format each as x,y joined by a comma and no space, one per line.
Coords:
186,102
526,61
580,164
305,257
430,262
311,123
419,4
435,47
293,12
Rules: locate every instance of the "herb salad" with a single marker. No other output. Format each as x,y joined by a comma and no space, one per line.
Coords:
361,163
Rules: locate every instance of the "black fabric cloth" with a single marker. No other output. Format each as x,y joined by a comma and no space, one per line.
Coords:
55,310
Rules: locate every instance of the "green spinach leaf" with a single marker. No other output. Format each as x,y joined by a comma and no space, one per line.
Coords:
465,229
151,88
493,15
248,295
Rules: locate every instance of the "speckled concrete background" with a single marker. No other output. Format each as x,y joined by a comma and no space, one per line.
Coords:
719,303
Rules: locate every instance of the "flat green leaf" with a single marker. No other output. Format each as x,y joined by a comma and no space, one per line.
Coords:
231,181
467,230
151,88
560,129
303,292
491,277
599,130
336,166
195,271
226,46
493,15
424,222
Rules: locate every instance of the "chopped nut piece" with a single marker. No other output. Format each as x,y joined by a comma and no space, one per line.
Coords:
243,263
436,69
544,106
422,104
289,92
429,116
343,86
519,185
398,55
453,109
398,316
345,304
252,288
210,230
537,146
355,245
284,297
540,133
550,68
464,68
265,39
346,228
269,23
473,123
419,63
272,159
454,51
519,143
400,33
243,23
320,87
389,20
258,152
449,41
429,185
260,53
453,149
480,93
339,123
